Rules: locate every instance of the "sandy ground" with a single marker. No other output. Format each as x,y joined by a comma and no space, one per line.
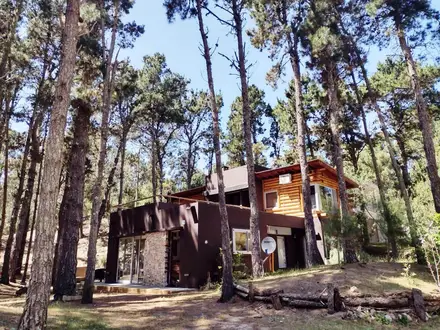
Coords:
364,278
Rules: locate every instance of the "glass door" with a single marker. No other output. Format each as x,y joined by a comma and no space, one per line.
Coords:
131,260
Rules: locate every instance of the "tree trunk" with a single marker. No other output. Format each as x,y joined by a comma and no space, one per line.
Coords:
121,173
5,170
227,282
65,282
391,233
404,166
34,215
313,257
153,169
423,115
87,297
334,107
257,264
37,299
20,238
16,207
23,226
108,188
415,242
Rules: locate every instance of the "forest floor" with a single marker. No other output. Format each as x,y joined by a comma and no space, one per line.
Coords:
200,310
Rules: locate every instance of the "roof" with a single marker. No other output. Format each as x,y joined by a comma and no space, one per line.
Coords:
189,192
313,164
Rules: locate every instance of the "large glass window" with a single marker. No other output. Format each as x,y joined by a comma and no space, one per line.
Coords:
270,199
323,198
328,198
313,197
241,240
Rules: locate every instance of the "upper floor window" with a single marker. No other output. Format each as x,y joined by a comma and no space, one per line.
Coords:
270,199
329,200
323,198
241,240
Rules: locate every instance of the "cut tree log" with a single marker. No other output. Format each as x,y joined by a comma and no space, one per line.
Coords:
419,304
241,288
378,302
306,304
242,294
297,296
263,298
331,298
267,292
251,292
276,302
339,305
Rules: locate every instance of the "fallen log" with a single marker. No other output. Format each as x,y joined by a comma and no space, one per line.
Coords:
241,288
242,294
419,304
331,298
267,292
305,304
297,296
379,302
276,302
262,298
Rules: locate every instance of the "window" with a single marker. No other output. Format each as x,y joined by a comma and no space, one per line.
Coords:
329,200
270,199
323,198
241,240
313,197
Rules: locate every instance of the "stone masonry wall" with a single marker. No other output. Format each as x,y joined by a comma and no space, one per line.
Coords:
155,259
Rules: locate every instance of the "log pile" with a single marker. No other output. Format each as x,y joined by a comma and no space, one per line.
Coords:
331,300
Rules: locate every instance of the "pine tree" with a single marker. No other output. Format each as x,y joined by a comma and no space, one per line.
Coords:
37,299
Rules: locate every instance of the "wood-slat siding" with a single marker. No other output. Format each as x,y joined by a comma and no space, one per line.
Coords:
290,195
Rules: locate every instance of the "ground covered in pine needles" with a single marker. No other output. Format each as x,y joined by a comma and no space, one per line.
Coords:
200,310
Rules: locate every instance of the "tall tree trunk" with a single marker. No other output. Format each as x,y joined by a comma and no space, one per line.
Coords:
313,257
391,233
153,169
87,297
189,165
257,264
23,226
5,169
404,166
65,283
121,173
16,205
415,242
34,214
37,299
334,107
20,238
423,115
227,282
110,184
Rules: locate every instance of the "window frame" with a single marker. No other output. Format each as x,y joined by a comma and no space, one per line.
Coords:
319,199
265,201
240,230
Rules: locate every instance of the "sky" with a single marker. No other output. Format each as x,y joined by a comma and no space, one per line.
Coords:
179,42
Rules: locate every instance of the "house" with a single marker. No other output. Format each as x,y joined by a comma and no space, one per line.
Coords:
178,242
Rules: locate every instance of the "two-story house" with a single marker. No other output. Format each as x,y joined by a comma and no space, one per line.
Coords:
178,242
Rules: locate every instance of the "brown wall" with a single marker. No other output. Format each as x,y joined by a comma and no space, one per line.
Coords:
200,238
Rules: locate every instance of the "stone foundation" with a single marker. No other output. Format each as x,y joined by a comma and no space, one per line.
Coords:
155,259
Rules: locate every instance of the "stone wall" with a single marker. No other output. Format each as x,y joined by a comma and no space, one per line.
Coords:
155,259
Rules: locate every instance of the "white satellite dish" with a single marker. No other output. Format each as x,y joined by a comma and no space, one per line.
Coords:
268,245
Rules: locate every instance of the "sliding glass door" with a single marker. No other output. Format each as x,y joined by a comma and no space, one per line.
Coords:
131,260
